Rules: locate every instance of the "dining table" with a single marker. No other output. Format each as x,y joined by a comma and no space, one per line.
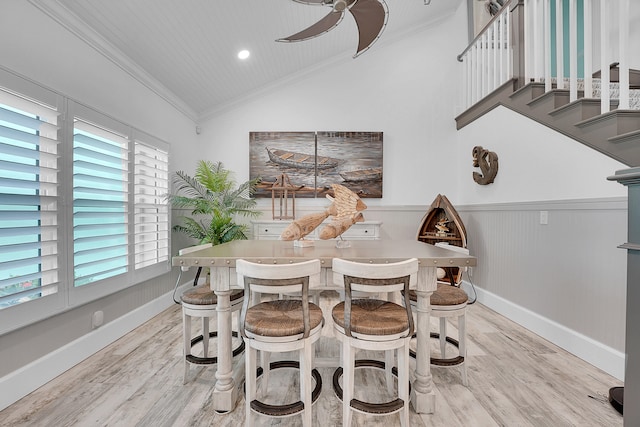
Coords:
221,259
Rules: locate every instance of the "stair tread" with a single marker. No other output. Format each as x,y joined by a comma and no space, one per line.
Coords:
606,115
624,136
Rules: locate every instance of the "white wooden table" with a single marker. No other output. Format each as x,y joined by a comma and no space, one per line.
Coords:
221,260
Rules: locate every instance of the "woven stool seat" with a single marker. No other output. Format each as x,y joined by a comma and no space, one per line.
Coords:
203,295
280,318
373,317
444,295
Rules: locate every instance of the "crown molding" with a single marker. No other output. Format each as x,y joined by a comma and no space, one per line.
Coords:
80,29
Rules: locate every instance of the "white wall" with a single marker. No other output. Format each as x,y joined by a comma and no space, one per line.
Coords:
535,163
395,88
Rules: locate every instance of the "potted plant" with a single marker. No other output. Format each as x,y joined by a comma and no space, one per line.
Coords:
214,201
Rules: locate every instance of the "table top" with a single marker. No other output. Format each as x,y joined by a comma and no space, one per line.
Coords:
281,252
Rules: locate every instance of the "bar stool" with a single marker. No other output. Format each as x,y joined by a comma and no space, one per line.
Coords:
447,302
281,325
373,324
201,302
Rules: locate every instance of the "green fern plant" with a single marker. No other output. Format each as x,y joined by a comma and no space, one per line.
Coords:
214,201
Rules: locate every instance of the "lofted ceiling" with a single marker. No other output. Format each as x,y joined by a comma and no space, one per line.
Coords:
186,50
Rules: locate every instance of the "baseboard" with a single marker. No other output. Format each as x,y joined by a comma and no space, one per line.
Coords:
599,355
30,377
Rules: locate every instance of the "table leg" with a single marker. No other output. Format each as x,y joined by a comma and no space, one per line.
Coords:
225,392
423,396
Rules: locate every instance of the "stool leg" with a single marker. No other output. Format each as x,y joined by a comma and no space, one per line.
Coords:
443,337
306,365
462,345
347,381
205,336
186,338
403,382
388,366
250,381
265,362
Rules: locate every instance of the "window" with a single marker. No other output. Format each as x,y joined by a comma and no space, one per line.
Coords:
29,199
100,203
82,204
151,210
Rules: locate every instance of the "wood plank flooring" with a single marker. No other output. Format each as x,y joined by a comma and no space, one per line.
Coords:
515,379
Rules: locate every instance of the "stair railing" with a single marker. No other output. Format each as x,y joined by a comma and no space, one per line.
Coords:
526,41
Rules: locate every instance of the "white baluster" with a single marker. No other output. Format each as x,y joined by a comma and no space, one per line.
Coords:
623,54
573,50
604,63
547,45
588,49
559,46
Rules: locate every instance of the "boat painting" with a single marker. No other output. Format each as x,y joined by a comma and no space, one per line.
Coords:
314,161
372,174
300,160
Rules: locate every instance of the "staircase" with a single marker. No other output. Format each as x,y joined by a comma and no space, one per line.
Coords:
528,88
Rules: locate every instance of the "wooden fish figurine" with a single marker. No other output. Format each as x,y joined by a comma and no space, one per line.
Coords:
338,226
346,202
346,209
303,226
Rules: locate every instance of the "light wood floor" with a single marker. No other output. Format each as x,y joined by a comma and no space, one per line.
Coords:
515,379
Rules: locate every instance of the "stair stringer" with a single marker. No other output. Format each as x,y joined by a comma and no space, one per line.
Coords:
615,134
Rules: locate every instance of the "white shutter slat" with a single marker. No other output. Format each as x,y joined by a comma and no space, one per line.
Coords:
151,217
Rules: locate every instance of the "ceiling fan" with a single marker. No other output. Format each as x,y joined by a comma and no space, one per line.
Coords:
370,16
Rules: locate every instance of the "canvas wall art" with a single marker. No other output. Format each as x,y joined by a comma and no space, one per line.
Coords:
315,160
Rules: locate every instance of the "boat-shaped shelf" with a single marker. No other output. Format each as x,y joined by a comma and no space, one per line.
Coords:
442,223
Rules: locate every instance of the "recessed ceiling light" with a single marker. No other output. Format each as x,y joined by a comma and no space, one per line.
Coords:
243,54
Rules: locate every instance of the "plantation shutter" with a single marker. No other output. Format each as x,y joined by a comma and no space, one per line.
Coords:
29,199
100,203
151,184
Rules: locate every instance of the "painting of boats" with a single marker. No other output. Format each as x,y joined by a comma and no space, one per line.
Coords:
442,223
300,160
371,174
316,160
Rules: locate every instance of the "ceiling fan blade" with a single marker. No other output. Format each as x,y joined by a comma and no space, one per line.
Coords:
371,18
324,25
318,2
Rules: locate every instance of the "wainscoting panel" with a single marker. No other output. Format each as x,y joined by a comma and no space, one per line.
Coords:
565,280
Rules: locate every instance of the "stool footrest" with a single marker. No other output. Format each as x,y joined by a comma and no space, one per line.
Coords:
196,360
367,407
290,408
453,361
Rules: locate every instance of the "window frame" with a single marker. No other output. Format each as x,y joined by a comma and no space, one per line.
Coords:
68,295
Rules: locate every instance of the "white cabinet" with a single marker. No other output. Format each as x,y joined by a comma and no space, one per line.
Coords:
271,230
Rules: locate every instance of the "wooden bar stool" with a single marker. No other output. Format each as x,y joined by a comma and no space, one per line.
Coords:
281,325
201,302
447,302
373,324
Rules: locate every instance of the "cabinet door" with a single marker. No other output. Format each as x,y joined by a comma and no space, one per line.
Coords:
361,231
269,231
